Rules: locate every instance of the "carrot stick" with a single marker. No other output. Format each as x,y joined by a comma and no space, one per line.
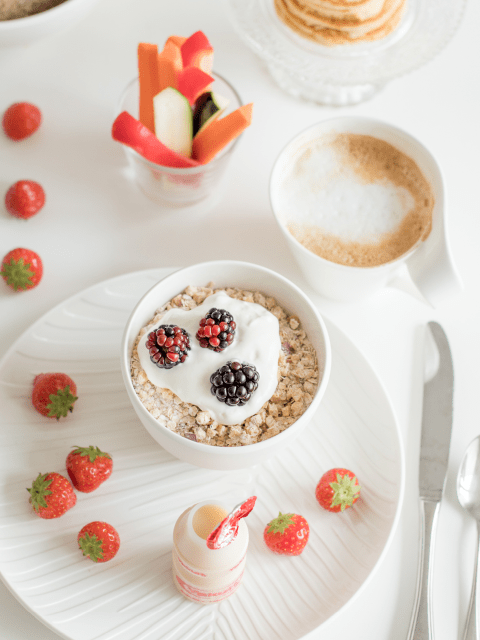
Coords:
167,76
148,82
208,142
178,40
172,52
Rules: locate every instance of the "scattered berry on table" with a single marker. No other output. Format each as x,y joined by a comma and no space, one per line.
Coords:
22,269
99,541
20,120
217,330
54,394
287,534
234,383
337,490
88,467
51,495
168,346
24,199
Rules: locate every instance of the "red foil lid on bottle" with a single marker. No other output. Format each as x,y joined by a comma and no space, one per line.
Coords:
227,530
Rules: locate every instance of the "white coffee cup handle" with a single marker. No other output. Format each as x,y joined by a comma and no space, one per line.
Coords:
432,268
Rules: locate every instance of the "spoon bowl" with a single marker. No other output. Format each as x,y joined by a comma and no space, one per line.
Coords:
468,480
468,492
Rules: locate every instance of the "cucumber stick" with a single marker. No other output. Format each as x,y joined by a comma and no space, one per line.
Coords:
173,120
208,107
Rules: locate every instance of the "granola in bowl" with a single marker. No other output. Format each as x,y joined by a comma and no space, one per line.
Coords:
297,378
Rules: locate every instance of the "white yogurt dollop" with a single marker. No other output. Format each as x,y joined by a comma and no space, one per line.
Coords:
257,341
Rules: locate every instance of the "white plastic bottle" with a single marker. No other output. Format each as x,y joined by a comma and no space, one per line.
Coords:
207,575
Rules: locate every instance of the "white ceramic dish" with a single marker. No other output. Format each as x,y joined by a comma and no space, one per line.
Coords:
133,595
22,32
227,273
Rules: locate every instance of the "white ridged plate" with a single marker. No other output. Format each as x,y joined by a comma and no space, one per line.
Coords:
133,596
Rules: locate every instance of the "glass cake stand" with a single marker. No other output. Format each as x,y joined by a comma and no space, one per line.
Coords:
344,74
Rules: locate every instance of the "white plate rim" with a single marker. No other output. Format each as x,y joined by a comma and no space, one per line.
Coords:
159,273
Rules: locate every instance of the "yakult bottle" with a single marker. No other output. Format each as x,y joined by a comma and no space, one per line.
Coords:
209,550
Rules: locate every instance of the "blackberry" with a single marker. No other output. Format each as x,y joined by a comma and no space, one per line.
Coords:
234,383
168,346
217,330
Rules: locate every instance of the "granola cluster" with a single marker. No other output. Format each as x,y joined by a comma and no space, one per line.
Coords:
298,377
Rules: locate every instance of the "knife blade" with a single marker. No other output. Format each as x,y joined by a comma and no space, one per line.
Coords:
437,419
436,432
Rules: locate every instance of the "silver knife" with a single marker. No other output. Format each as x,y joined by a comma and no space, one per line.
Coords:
435,439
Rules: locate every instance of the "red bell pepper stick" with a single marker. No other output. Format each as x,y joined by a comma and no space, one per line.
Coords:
192,81
127,130
198,52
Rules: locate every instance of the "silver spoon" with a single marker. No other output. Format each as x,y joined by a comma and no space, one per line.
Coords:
468,491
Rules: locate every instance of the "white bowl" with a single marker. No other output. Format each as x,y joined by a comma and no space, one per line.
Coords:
24,31
226,273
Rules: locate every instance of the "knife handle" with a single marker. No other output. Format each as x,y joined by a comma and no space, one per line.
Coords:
421,625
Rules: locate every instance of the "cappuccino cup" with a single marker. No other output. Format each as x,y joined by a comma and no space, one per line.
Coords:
357,199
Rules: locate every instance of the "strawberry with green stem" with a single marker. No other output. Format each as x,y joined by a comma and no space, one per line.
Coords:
54,394
99,541
22,269
287,534
88,467
51,495
338,489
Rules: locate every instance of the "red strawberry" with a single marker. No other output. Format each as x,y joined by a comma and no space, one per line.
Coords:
88,467
51,495
22,269
287,534
337,490
20,120
53,394
99,541
24,199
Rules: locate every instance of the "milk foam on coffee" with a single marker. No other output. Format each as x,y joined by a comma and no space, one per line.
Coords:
355,199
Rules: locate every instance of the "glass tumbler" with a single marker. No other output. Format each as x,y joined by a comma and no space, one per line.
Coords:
174,187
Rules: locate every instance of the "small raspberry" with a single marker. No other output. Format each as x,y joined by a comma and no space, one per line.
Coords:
24,199
217,330
234,383
168,346
20,120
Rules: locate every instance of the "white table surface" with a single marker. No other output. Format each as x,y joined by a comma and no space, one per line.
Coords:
90,231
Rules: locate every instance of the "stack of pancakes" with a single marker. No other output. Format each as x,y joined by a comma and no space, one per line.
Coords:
333,22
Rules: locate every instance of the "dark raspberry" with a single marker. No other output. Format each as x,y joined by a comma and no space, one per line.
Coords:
234,383
216,330
240,377
168,346
228,378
